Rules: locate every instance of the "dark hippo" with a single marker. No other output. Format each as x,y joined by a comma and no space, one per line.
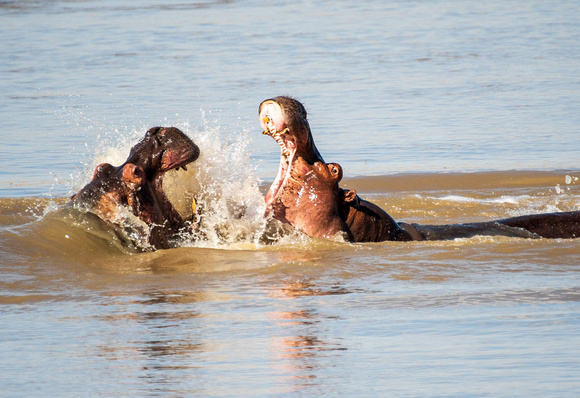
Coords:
137,184
306,195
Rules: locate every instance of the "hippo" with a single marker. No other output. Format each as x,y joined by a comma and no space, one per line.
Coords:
306,195
137,185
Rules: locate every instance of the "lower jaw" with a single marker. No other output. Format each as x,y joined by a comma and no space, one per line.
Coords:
283,175
289,167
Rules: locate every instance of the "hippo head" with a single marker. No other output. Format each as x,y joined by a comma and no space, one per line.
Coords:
285,120
163,149
137,184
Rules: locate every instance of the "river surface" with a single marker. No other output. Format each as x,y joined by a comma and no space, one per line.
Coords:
438,111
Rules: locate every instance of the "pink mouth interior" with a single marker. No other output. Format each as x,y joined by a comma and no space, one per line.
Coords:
272,121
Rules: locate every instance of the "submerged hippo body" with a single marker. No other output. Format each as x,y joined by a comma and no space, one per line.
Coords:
136,185
306,195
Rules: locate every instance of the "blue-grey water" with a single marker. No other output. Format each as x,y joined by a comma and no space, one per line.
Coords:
438,111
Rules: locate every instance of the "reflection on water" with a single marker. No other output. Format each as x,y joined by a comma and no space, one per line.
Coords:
302,288
154,342
349,326
302,343
301,352
158,334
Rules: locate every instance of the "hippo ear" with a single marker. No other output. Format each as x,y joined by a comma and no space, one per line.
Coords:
102,171
133,175
350,196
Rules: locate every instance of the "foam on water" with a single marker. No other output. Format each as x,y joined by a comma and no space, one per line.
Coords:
502,199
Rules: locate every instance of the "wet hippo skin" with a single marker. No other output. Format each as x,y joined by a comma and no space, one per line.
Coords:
306,194
136,185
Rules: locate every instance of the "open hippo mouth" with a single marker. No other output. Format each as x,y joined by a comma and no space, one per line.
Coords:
161,150
285,120
305,193
272,121
137,184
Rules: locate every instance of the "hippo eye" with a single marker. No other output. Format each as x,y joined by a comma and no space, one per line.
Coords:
335,170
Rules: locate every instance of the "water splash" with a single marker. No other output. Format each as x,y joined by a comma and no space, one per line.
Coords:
220,191
223,183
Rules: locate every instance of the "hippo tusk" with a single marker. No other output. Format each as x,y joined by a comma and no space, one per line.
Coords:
282,144
272,132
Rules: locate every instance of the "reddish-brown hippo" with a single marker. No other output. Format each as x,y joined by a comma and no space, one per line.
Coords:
306,195
137,184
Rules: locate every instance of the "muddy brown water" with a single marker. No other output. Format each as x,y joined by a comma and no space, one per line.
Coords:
483,315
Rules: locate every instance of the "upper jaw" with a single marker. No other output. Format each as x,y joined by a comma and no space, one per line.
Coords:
271,117
274,125
177,159
281,141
